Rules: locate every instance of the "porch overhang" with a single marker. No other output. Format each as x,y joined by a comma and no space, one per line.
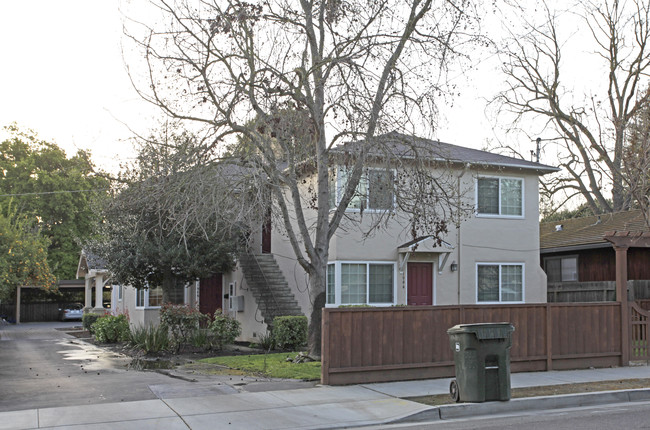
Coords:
421,245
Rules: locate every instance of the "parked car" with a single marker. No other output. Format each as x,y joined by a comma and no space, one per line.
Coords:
71,311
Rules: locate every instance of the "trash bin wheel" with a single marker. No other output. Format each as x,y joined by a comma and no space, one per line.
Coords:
453,391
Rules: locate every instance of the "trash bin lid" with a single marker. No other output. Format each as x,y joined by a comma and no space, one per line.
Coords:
484,330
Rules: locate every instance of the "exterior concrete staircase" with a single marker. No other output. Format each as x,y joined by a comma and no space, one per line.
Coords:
269,286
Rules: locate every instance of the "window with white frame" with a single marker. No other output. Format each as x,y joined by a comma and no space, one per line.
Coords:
561,269
375,191
331,284
357,283
151,297
499,282
231,295
120,292
499,196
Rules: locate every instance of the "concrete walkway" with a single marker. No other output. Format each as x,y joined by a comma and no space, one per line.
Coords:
318,407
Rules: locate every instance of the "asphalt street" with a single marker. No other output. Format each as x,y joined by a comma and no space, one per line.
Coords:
604,417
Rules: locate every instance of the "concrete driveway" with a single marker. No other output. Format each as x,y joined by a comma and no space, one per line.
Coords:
42,367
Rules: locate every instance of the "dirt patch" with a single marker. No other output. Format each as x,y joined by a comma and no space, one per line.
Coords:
551,390
79,334
188,355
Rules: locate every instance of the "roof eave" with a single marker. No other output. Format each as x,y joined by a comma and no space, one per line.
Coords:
575,247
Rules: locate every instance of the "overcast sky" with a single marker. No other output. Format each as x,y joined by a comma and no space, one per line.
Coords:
63,76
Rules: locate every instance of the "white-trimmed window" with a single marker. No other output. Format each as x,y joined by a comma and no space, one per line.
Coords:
561,269
360,283
499,282
500,196
231,295
149,297
375,191
120,292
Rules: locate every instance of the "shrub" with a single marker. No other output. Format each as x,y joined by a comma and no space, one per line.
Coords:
224,329
266,341
87,321
200,338
151,339
182,321
111,329
290,332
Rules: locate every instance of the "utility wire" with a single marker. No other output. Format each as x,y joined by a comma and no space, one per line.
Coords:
53,192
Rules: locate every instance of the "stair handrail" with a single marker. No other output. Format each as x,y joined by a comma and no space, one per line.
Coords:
267,284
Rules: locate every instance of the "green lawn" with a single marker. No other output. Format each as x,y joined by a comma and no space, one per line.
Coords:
270,365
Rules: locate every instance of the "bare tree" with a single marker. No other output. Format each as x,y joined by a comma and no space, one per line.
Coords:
343,70
636,162
588,128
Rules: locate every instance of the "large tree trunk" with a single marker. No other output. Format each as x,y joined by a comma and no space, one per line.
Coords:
317,295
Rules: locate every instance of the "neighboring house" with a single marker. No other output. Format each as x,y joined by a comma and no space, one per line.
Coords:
493,257
580,264
142,306
92,269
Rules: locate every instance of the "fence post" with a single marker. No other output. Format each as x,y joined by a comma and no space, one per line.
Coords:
549,338
325,347
621,297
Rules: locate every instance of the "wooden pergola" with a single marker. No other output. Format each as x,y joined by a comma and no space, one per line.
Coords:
622,241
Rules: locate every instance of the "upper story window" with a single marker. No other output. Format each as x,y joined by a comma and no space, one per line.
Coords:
375,191
499,282
500,196
561,269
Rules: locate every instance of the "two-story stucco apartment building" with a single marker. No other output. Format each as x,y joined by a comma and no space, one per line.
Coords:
492,257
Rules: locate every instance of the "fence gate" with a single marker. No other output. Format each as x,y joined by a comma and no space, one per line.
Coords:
639,322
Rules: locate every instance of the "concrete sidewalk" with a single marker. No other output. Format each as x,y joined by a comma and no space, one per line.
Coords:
318,407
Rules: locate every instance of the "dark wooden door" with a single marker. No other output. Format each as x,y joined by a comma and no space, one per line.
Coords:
210,294
420,284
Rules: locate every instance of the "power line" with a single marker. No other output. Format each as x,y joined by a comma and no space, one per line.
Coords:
53,192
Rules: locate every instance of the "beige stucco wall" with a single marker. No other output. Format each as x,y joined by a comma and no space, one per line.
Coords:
143,317
482,239
478,240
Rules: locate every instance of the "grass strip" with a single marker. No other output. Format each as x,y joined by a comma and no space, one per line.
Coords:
550,390
270,365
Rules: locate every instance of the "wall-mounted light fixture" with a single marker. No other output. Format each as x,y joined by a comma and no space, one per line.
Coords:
453,266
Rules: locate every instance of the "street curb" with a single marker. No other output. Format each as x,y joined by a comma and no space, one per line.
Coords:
463,410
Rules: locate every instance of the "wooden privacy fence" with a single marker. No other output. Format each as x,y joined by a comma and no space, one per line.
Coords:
32,312
361,345
639,322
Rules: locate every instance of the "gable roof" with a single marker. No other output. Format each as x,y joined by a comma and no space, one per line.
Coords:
89,262
405,146
587,232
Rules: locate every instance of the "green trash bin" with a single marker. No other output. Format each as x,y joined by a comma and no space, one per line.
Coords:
482,360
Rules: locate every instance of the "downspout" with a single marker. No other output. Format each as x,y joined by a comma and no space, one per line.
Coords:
458,243
458,235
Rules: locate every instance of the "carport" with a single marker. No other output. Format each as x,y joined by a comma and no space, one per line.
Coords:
65,284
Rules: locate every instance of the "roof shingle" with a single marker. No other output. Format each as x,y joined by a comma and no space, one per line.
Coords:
588,231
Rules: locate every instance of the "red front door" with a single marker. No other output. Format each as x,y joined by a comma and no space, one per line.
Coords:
420,284
210,294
